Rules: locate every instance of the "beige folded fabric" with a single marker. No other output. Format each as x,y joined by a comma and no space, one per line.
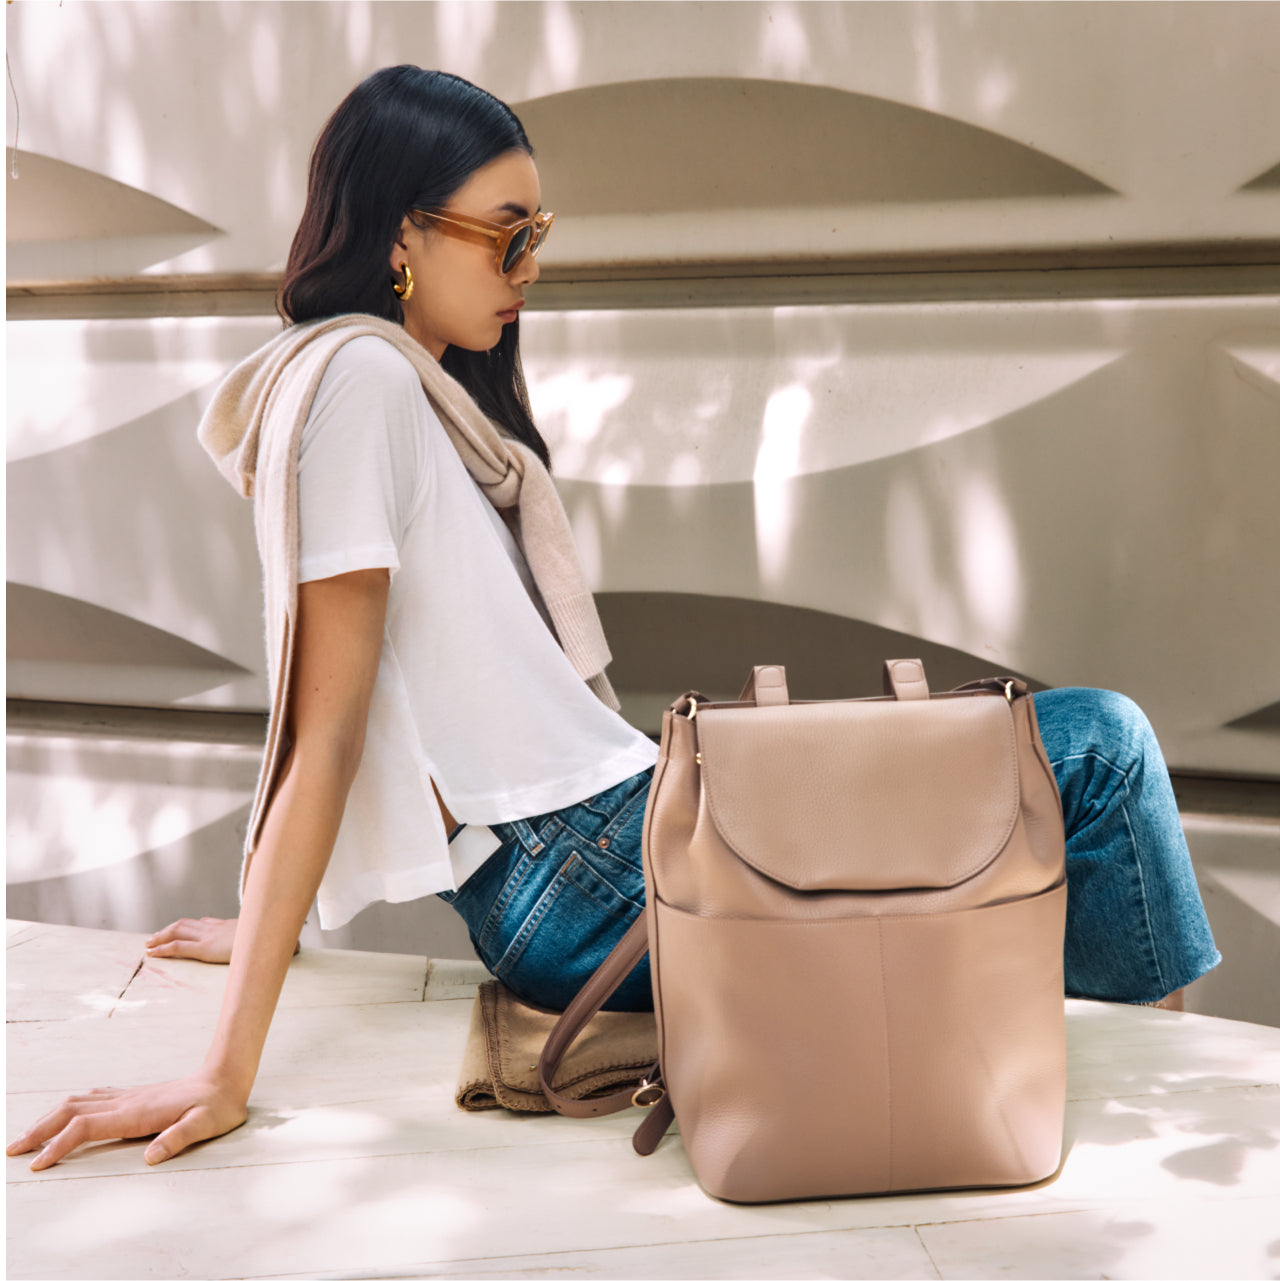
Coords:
500,1063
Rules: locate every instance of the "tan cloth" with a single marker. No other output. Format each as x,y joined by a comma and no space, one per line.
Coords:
500,1063
253,431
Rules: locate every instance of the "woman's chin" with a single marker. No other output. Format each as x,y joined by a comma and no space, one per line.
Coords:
480,342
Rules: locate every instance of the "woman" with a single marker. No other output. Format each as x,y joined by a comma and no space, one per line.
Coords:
436,660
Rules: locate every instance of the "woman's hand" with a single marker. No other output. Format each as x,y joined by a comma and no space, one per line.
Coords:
179,1113
208,939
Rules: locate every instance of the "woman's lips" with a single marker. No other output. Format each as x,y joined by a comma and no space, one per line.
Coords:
511,312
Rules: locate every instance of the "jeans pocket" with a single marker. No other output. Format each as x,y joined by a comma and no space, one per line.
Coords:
559,944
488,893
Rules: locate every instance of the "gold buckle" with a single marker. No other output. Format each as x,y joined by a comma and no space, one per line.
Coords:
693,708
1008,690
653,1091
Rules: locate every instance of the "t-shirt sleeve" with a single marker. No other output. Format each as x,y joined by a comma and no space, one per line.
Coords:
361,463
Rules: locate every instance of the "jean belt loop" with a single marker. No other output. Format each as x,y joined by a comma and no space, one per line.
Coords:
527,837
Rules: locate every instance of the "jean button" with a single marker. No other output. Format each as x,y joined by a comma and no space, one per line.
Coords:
603,842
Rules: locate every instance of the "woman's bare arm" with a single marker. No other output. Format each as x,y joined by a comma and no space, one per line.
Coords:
339,640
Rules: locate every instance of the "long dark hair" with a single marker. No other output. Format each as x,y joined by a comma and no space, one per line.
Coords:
402,139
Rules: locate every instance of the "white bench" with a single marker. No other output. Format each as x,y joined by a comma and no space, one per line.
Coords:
355,1161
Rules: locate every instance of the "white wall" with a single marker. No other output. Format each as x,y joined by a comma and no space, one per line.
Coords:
937,328
1073,124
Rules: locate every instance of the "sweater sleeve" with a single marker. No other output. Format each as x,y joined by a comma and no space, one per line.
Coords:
361,468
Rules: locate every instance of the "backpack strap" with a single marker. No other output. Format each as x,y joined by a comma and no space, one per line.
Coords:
651,1094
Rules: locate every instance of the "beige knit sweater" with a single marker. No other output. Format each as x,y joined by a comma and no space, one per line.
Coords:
253,431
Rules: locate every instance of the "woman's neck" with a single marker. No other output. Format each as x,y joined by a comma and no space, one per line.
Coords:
432,345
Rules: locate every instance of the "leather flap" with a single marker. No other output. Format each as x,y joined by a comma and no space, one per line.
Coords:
870,795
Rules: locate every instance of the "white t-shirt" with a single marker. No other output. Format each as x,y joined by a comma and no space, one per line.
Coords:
472,688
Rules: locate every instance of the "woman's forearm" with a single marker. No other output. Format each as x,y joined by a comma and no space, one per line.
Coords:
284,874
339,640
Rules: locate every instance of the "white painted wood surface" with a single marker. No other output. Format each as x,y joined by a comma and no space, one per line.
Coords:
355,1162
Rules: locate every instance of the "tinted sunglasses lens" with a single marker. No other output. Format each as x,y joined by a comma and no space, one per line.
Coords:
515,250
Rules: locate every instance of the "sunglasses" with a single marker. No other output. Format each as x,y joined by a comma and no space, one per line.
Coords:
513,240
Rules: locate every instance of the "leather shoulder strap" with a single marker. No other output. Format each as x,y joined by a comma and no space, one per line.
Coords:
582,1009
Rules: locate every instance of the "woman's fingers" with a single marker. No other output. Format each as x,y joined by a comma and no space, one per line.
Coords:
81,1128
45,1128
184,928
196,1126
100,1100
184,948
65,1128
208,939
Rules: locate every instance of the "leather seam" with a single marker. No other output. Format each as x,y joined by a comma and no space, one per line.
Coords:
888,1055
1059,884
635,1065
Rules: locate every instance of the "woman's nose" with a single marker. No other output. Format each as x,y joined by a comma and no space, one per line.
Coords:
528,271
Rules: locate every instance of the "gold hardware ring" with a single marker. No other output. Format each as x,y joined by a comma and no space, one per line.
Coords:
653,1094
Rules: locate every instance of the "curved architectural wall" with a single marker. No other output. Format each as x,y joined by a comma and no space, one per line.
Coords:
1078,491
865,328
668,132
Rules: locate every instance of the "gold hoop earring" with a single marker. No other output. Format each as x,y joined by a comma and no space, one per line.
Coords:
404,292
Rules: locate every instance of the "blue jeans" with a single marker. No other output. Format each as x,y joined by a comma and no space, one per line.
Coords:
547,907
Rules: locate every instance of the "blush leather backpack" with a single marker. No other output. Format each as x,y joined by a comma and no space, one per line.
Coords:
855,919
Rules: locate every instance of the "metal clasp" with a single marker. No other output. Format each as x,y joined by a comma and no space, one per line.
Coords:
1008,690
652,1092
693,708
